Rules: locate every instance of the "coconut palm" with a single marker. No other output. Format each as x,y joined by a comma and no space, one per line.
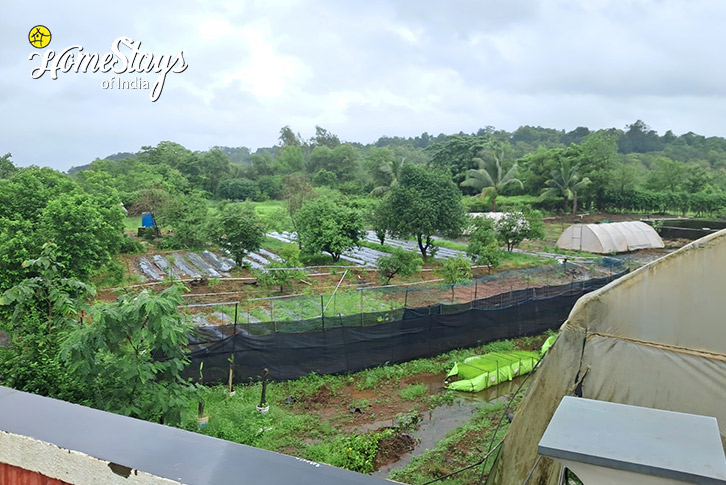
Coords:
565,182
391,171
488,177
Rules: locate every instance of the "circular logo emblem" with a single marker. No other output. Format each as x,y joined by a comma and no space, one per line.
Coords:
39,36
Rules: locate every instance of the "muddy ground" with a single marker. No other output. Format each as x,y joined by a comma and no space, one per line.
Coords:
369,410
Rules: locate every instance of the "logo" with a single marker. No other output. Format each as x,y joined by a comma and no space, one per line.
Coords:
39,36
126,57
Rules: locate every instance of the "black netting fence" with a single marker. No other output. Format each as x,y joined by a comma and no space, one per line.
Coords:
350,343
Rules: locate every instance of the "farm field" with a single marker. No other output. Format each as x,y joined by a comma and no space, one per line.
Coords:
396,421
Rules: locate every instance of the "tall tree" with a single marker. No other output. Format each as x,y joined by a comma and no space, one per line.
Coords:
237,229
187,217
488,178
328,226
288,138
325,138
7,168
392,173
457,154
565,182
423,202
598,158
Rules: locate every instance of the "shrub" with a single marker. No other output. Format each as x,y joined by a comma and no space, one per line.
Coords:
400,262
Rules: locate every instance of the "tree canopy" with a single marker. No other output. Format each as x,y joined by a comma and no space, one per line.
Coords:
423,203
327,226
237,229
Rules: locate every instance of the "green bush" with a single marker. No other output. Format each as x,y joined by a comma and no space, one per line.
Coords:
130,246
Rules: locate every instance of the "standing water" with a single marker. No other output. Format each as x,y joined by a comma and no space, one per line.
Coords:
435,424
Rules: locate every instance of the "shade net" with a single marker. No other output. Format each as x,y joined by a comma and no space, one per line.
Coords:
340,344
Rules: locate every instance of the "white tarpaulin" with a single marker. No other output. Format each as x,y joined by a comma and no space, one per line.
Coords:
615,237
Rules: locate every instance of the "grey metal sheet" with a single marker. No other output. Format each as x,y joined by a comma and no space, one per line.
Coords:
653,442
160,450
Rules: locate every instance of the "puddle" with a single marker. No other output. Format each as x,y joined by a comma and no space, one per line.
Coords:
437,423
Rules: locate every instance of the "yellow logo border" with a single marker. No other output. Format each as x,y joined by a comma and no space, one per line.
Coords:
42,41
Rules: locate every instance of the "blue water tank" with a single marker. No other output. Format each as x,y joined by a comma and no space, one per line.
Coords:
147,219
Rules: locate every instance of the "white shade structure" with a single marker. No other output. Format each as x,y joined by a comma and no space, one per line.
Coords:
654,338
615,237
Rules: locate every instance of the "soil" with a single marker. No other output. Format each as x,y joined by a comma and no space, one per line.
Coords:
391,449
355,410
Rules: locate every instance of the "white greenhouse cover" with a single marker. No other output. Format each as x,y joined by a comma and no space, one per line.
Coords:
615,237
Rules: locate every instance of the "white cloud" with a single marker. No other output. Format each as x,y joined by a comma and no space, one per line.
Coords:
363,70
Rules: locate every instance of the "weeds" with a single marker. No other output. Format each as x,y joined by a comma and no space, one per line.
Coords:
413,392
291,428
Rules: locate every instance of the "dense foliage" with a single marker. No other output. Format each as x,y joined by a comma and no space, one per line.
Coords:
398,263
38,205
327,226
125,357
483,244
423,203
237,229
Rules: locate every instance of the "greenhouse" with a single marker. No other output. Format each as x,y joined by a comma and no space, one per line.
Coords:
615,237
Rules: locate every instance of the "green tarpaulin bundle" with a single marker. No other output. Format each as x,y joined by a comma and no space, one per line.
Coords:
482,371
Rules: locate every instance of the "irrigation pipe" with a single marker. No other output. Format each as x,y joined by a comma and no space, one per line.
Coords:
275,297
208,304
402,284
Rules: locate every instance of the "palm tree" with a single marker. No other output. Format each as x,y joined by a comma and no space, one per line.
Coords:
565,182
488,177
391,171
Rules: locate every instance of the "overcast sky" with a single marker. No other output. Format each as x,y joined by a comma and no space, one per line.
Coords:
361,69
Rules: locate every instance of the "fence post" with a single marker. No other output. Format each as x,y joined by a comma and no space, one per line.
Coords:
322,311
405,299
272,312
430,337
476,287
234,345
361,307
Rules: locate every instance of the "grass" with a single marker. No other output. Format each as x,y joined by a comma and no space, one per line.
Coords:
344,303
413,392
512,260
132,223
274,215
274,245
290,429
458,246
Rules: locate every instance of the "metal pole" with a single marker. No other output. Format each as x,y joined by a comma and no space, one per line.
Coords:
405,299
361,307
476,288
322,311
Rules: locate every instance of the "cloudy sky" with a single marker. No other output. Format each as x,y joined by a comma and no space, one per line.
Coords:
361,69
